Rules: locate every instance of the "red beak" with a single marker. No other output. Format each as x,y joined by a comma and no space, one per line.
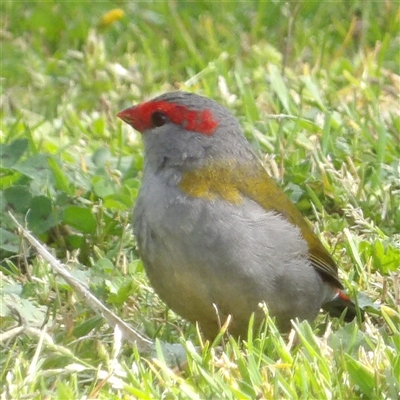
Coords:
126,115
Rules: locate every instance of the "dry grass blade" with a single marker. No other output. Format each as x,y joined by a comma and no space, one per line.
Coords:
128,333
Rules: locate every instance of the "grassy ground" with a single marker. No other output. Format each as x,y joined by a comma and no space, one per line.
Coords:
316,87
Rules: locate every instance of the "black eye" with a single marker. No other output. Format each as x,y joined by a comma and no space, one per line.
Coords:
158,118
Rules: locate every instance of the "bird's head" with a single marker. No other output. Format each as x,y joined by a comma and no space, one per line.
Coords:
186,130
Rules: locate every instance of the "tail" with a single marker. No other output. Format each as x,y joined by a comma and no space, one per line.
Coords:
340,303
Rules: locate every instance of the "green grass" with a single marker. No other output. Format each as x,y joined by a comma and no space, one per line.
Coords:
321,106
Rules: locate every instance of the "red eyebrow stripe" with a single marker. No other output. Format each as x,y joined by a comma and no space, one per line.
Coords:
199,121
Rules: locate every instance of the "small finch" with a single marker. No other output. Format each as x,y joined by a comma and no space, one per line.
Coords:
217,236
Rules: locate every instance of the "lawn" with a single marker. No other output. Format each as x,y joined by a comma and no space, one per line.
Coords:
316,87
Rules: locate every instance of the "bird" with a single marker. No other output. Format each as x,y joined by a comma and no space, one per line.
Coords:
216,234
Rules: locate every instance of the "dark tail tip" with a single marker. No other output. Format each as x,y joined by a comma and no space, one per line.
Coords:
341,303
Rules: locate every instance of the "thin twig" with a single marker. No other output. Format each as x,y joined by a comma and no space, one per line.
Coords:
128,333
